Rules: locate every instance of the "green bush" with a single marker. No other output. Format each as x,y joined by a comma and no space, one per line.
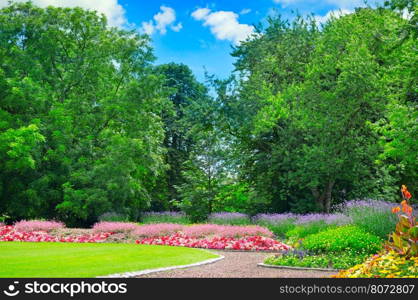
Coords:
302,231
345,238
327,260
346,260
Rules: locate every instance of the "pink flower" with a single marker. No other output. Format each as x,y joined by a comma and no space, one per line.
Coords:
251,243
116,227
201,230
153,230
10,234
36,225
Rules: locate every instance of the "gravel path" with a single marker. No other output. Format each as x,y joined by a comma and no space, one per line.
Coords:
237,265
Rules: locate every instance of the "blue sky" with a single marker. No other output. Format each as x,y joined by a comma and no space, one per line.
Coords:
199,43
200,33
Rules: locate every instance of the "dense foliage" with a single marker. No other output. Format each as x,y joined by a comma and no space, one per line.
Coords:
343,239
80,120
372,216
307,260
316,108
400,256
314,115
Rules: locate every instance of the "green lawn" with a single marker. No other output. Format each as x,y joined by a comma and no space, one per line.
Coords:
19,259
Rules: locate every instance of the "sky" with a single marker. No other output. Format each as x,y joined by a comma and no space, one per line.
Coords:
201,33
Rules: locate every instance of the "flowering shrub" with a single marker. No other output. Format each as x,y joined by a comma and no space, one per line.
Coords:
328,219
165,217
250,243
114,227
400,259
298,226
201,230
389,264
313,223
153,230
404,239
274,218
279,224
228,218
10,234
371,215
226,230
36,225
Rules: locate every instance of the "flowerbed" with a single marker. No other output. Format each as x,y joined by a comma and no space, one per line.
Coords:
337,248
343,239
205,236
202,230
299,258
36,225
296,226
400,258
388,264
10,234
249,243
115,227
153,230
226,231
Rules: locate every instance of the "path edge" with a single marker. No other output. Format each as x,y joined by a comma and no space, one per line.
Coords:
150,271
296,268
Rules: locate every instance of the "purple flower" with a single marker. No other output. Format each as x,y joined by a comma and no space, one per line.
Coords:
227,216
376,205
173,214
330,219
274,218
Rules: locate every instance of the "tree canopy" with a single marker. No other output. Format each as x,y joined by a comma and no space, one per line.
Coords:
312,116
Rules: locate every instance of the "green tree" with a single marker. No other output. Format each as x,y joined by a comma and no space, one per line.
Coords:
309,102
91,92
184,94
265,139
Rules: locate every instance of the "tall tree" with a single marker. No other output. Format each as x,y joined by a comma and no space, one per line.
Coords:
90,92
185,94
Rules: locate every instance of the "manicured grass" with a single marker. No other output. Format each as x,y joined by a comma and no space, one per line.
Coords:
19,259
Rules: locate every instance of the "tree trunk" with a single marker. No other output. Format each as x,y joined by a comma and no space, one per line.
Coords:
318,198
324,198
328,196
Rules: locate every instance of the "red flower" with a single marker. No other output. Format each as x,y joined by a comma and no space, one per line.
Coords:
407,195
396,209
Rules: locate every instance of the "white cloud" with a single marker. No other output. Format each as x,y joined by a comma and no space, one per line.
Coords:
224,25
148,28
162,20
343,4
177,27
114,12
201,13
332,13
245,11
